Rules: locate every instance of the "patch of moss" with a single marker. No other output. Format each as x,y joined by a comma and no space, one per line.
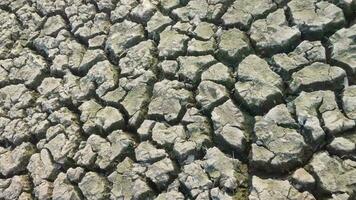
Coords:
241,194
241,175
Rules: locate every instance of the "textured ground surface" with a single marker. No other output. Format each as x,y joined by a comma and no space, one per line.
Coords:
178,99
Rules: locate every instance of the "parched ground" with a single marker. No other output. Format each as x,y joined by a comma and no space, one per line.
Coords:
178,99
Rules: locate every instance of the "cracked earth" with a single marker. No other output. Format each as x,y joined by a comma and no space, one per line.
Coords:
178,99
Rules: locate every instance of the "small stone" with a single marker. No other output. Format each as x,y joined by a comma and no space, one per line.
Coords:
204,30
94,186
275,189
138,96
314,19
223,169
12,188
334,120
139,59
169,68
127,184
183,27
306,53
166,136
15,161
306,109
254,68
217,193
343,52
96,117
341,196
302,180
53,25
233,45
97,41
169,100
198,129
258,86
211,94
161,172
230,125
172,44
145,130
158,23
198,47
75,174
44,190
185,151
79,15
122,9
63,145
200,10
115,96
90,58
191,67
123,36
273,35
104,75
102,152
242,12
25,196
349,102
110,118
318,76
333,174
218,73
169,4
194,179
341,147
147,153
64,190
42,167
99,24
258,97
279,148
281,116
170,195
143,11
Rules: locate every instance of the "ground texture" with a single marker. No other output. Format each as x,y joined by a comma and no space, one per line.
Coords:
178,99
